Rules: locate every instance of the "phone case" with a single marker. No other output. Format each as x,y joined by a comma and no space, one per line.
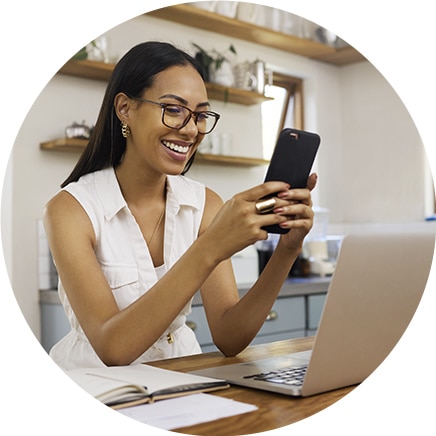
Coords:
292,161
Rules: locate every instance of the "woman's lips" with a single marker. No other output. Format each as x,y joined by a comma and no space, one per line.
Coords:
176,147
177,150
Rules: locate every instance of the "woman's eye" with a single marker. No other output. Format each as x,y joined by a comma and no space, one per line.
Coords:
202,116
174,110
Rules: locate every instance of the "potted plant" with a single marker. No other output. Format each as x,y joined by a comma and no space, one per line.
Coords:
216,65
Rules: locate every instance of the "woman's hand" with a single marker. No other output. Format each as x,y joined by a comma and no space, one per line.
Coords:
236,224
299,213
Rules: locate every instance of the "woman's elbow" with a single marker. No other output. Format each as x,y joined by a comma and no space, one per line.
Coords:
229,349
111,356
113,352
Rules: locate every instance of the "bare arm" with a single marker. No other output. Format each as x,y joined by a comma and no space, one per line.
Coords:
233,322
120,336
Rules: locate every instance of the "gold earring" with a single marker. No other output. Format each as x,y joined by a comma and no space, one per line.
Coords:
125,129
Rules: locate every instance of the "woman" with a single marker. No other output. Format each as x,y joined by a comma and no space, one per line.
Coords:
133,239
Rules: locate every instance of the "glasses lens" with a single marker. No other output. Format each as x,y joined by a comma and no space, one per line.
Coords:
206,121
176,117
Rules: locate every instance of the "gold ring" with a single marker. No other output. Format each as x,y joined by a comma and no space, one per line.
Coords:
265,206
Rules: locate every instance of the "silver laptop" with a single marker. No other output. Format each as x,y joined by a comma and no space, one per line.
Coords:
374,292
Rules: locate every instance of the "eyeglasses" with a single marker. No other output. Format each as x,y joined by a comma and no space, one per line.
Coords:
176,116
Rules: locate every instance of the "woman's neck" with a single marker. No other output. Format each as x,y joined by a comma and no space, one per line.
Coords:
139,188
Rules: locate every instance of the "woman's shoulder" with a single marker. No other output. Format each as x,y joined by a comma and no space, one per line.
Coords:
63,215
72,199
213,199
62,204
212,205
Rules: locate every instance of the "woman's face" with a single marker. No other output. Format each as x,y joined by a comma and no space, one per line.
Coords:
151,143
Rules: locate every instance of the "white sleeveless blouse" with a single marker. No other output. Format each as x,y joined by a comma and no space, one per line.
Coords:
126,262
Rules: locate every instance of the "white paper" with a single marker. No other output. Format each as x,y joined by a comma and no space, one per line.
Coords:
185,411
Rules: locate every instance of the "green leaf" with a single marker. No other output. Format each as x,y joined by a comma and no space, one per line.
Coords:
81,55
226,95
207,59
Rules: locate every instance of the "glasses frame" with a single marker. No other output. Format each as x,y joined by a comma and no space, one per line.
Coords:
192,113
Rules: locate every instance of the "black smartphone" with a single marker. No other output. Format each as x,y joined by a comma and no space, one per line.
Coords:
292,161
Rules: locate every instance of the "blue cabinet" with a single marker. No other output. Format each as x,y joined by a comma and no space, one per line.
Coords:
54,323
295,314
285,320
315,306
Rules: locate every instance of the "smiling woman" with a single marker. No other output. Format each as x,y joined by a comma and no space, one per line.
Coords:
172,123
133,239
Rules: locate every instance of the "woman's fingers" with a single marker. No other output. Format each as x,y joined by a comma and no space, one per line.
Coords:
263,190
311,181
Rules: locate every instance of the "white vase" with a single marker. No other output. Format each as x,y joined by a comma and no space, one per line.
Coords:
223,75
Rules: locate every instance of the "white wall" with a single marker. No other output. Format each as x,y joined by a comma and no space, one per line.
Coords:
384,157
370,162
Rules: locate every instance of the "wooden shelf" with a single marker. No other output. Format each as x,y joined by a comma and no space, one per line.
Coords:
230,160
77,145
101,71
88,69
202,19
234,95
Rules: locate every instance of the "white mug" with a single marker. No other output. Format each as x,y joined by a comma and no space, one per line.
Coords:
215,143
226,143
244,78
208,6
247,12
226,8
273,19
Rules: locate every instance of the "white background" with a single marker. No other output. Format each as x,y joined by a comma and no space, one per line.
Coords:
397,37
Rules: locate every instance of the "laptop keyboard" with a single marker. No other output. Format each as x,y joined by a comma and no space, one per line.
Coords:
288,376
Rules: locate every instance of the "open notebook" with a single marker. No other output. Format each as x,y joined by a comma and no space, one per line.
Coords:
374,292
123,386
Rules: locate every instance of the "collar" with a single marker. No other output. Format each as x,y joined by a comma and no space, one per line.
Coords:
180,193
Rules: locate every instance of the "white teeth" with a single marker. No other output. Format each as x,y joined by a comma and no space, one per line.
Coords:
176,147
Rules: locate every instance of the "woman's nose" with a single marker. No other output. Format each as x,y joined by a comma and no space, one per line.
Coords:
190,128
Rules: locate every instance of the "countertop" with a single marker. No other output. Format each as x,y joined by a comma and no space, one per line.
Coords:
293,286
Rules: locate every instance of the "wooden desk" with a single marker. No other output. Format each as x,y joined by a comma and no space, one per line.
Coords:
274,410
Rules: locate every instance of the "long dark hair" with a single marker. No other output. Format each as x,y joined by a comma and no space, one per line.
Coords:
133,74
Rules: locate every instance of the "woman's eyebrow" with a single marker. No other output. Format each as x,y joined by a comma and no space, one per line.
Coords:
182,100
